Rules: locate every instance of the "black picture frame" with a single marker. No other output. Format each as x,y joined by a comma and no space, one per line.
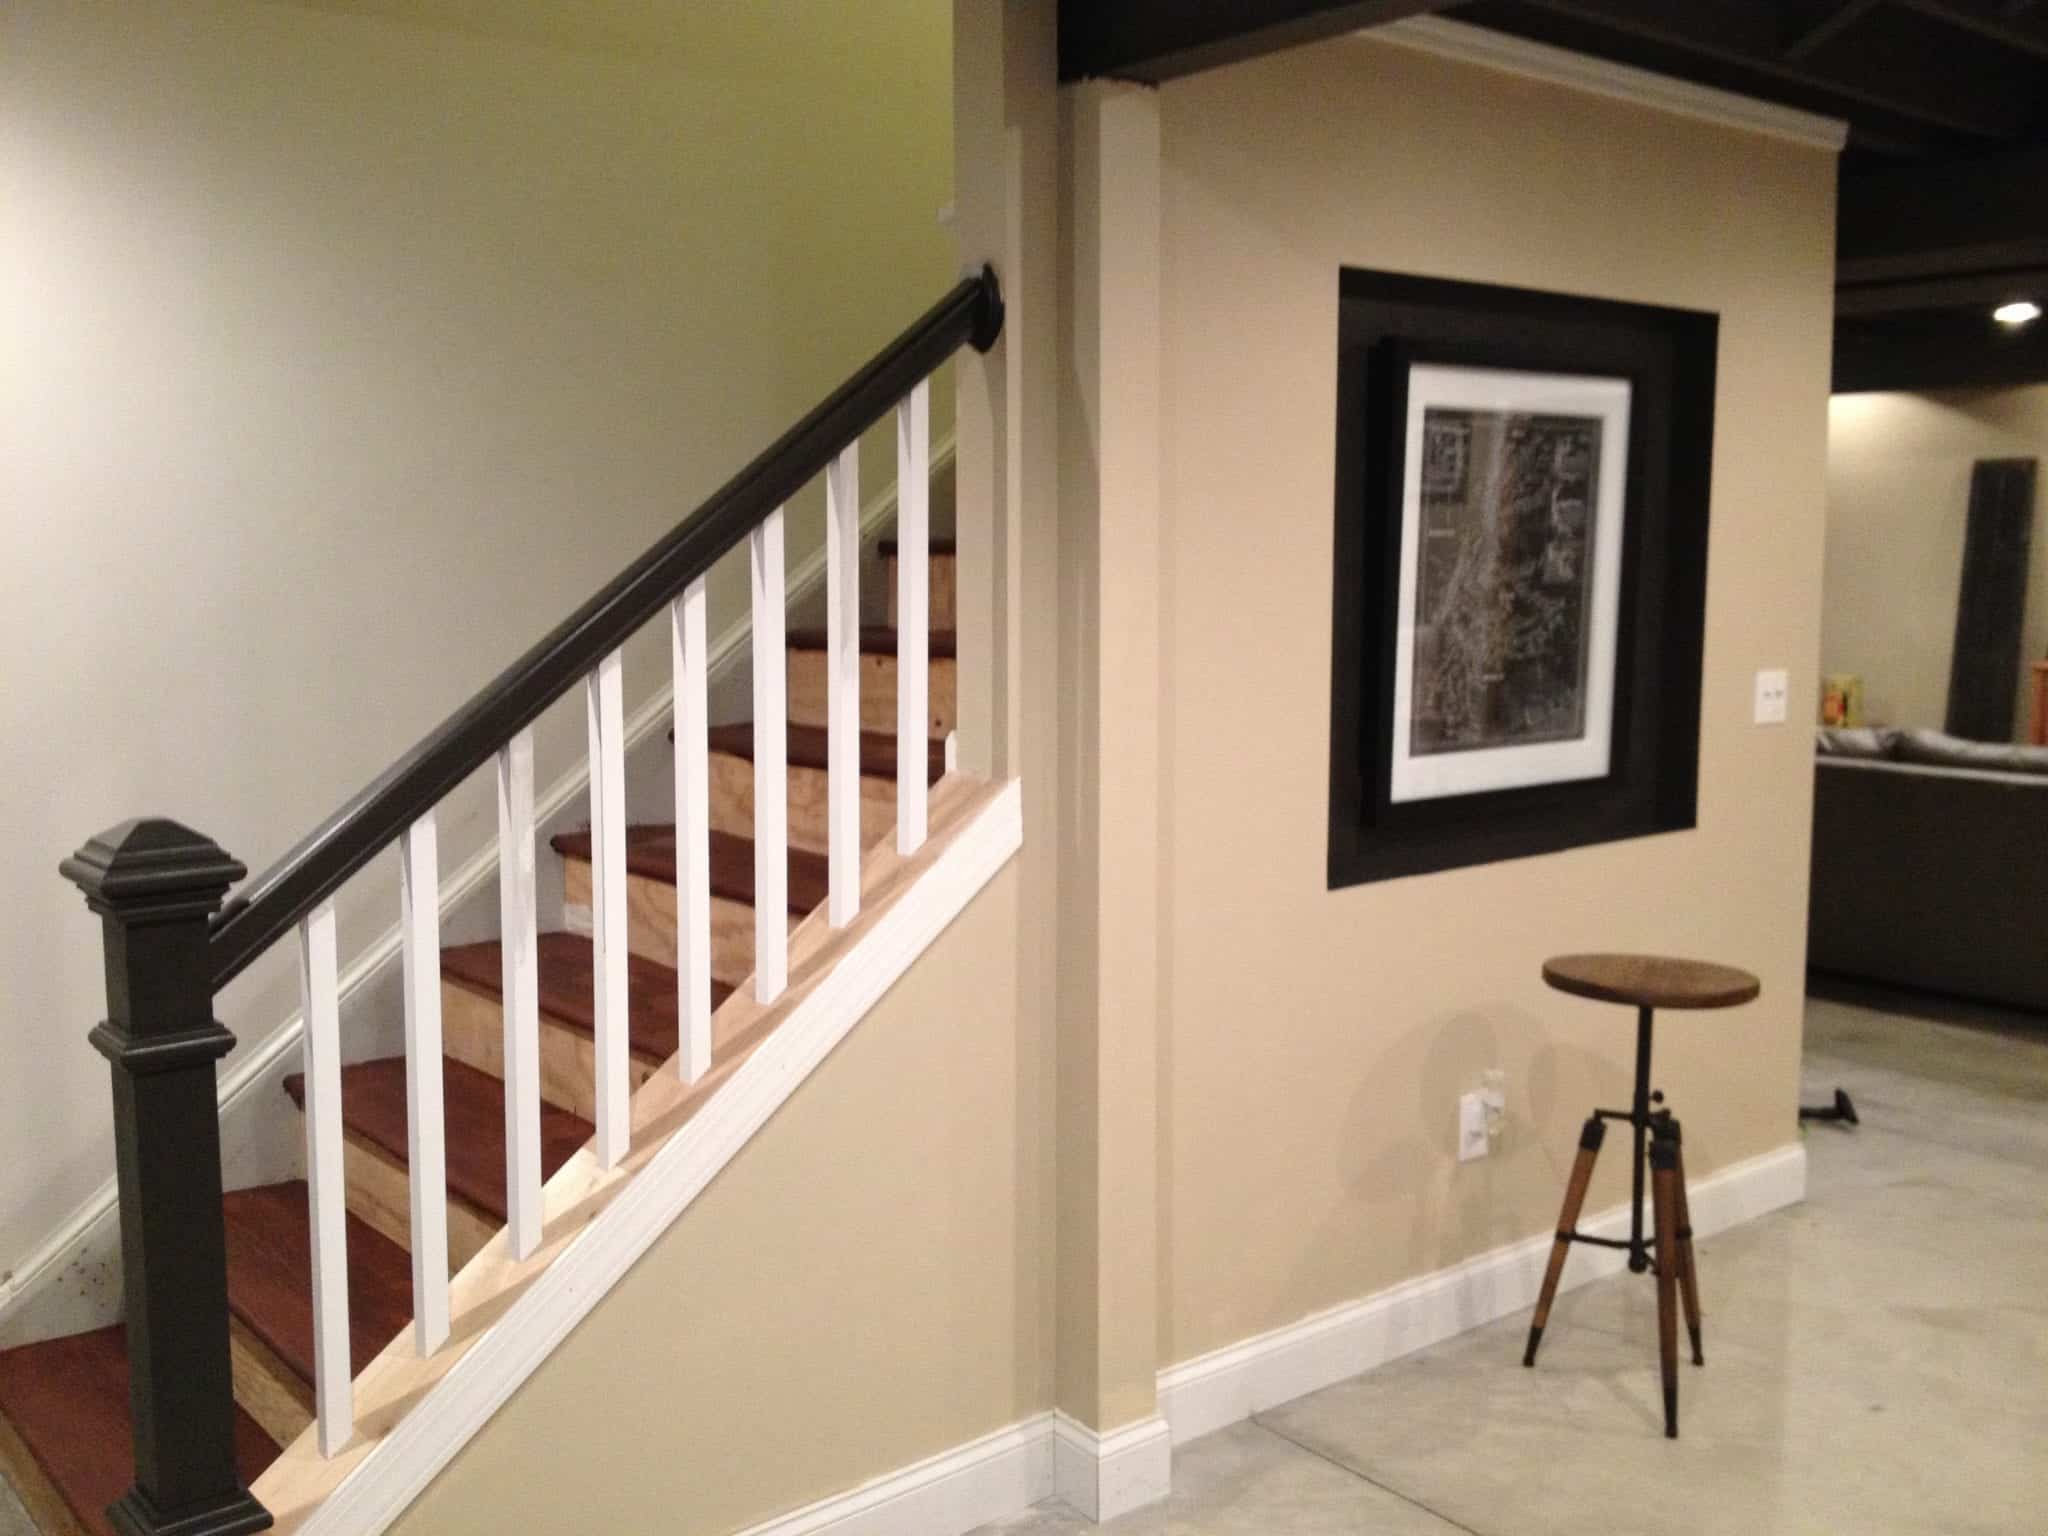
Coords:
1389,321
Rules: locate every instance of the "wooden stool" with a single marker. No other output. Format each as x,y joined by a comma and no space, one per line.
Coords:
1646,983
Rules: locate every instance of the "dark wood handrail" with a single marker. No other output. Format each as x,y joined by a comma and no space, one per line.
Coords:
271,905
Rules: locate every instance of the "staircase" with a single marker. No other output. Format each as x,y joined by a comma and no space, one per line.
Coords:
64,1403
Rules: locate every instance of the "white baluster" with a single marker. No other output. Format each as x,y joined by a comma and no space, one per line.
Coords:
604,696
842,682
913,610
521,993
419,889
771,774
327,1183
693,836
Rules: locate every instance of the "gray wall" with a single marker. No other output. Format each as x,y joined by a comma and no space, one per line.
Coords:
343,349
1898,502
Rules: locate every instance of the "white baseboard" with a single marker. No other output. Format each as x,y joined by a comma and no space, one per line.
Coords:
71,1281
1218,1389
1104,1476
1000,1475
1004,1473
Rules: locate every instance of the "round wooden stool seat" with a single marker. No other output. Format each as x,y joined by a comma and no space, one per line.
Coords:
1651,981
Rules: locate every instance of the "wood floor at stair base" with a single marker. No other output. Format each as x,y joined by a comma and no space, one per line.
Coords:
38,1495
651,922
270,1392
877,692
473,1031
380,1193
732,803
301,1486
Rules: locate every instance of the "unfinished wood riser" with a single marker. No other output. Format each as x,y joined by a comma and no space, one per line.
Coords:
943,595
473,1032
39,1496
651,922
877,692
380,1194
732,803
270,1392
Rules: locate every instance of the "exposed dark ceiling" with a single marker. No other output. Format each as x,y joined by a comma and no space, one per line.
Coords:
1944,205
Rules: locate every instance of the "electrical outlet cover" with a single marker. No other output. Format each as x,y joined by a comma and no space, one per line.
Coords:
1472,1138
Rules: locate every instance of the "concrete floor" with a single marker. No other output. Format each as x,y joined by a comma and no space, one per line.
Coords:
1877,1358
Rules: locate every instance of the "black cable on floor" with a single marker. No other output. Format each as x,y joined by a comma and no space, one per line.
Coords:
1364,1478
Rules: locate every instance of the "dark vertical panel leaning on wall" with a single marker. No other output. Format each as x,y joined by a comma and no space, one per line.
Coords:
1984,674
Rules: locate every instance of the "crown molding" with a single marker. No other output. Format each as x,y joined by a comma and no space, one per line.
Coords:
1602,77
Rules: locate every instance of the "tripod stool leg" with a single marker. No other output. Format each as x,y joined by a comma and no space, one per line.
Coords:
1590,1137
1664,1203
1688,1269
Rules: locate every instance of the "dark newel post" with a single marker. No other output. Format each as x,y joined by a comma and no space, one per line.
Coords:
155,884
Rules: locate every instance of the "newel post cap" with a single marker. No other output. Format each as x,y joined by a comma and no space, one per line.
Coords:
152,868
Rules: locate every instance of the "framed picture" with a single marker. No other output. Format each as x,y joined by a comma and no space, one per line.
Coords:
1512,518
1519,572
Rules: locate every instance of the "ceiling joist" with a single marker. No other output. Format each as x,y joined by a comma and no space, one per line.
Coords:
1155,40
1882,62
1825,27
1942,212
2023,26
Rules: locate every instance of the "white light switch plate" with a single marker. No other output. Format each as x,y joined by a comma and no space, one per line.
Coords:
1771,687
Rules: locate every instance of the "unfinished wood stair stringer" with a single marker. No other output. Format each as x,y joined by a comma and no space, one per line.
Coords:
413,1414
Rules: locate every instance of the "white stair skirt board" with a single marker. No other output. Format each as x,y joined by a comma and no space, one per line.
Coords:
387,1476
1104,1476
996,1477
976,1484
71,1281
1218,1389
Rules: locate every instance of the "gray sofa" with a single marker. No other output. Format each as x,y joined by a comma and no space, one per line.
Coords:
1930,864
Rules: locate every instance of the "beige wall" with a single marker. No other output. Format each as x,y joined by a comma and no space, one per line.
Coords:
1006,127
1110,521
878,1276
859,1289
1898,502
344,348
1314,1041
1306,1047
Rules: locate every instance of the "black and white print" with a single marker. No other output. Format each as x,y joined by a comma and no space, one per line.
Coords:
1510,577
1505,583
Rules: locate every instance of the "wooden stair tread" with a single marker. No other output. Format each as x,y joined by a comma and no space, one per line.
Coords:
270,1277
473,1109
875,640
941,547
568,989
807,749
651,854
68,1401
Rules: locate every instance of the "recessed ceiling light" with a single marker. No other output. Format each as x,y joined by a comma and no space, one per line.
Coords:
2019,312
